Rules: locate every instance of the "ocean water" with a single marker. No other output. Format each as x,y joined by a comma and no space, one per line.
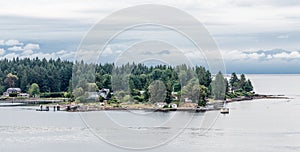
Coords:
266,125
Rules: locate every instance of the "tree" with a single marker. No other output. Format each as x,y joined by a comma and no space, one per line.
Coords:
242,82
203,95
234,82
169,92
23,81
92,87
191,90
34,90
11,79
78,92
157,91
1,87
219,87
248,86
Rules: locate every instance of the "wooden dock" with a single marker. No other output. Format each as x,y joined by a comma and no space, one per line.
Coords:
31,102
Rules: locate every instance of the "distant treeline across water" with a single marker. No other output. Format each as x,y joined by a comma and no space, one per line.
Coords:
56,76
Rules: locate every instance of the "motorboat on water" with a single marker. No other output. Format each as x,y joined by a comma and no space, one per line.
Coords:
224,110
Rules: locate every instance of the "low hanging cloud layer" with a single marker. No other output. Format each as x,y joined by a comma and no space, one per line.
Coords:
10,49
10,43
261,55
248,32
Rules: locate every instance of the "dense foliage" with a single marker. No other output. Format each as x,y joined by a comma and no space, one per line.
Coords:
50,75
48,78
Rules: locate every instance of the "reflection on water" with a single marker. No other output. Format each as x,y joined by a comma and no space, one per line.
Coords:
260,125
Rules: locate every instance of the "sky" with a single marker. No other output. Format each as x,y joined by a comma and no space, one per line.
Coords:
253,36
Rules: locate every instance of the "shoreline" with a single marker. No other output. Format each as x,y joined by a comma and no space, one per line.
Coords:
211,106
85,107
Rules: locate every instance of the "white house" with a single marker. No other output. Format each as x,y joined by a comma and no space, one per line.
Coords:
160,104
142,92
13,90
104,92
187,100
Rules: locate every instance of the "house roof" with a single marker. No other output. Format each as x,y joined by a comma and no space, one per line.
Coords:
13,89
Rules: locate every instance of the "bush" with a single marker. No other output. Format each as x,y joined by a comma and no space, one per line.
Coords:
52,95
138,98
166,106
68,95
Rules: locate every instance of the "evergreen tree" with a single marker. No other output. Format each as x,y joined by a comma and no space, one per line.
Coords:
242,82
234,82
219,87
248,86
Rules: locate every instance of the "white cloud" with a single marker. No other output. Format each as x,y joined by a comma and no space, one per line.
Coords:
2,42
31,46
65,55
233,55
13,42
2,51
256,55
107,51
27,52
9,56
282,37
15,48
261,55
285,55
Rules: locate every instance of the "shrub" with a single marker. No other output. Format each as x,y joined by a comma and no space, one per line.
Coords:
52,95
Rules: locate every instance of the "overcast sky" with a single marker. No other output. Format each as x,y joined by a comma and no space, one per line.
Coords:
254,36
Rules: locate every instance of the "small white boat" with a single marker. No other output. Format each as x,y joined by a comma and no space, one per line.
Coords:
224,110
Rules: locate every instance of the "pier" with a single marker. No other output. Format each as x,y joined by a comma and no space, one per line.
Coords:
32,101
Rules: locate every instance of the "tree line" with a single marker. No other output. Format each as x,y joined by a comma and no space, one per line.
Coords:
129,81
50,75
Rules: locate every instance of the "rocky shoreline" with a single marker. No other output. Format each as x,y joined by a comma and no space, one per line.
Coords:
217,105
214,105
257,96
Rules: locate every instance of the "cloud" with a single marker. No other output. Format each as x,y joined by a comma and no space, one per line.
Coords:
30,50
2,51
31,46
65,55
13,43
282,37
26,50
107,51
9,56
15,48
2,42
262,55
290,55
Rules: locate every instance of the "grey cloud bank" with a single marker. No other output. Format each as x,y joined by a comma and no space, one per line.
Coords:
254,36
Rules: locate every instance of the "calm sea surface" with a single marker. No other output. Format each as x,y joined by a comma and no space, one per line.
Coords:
259,125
